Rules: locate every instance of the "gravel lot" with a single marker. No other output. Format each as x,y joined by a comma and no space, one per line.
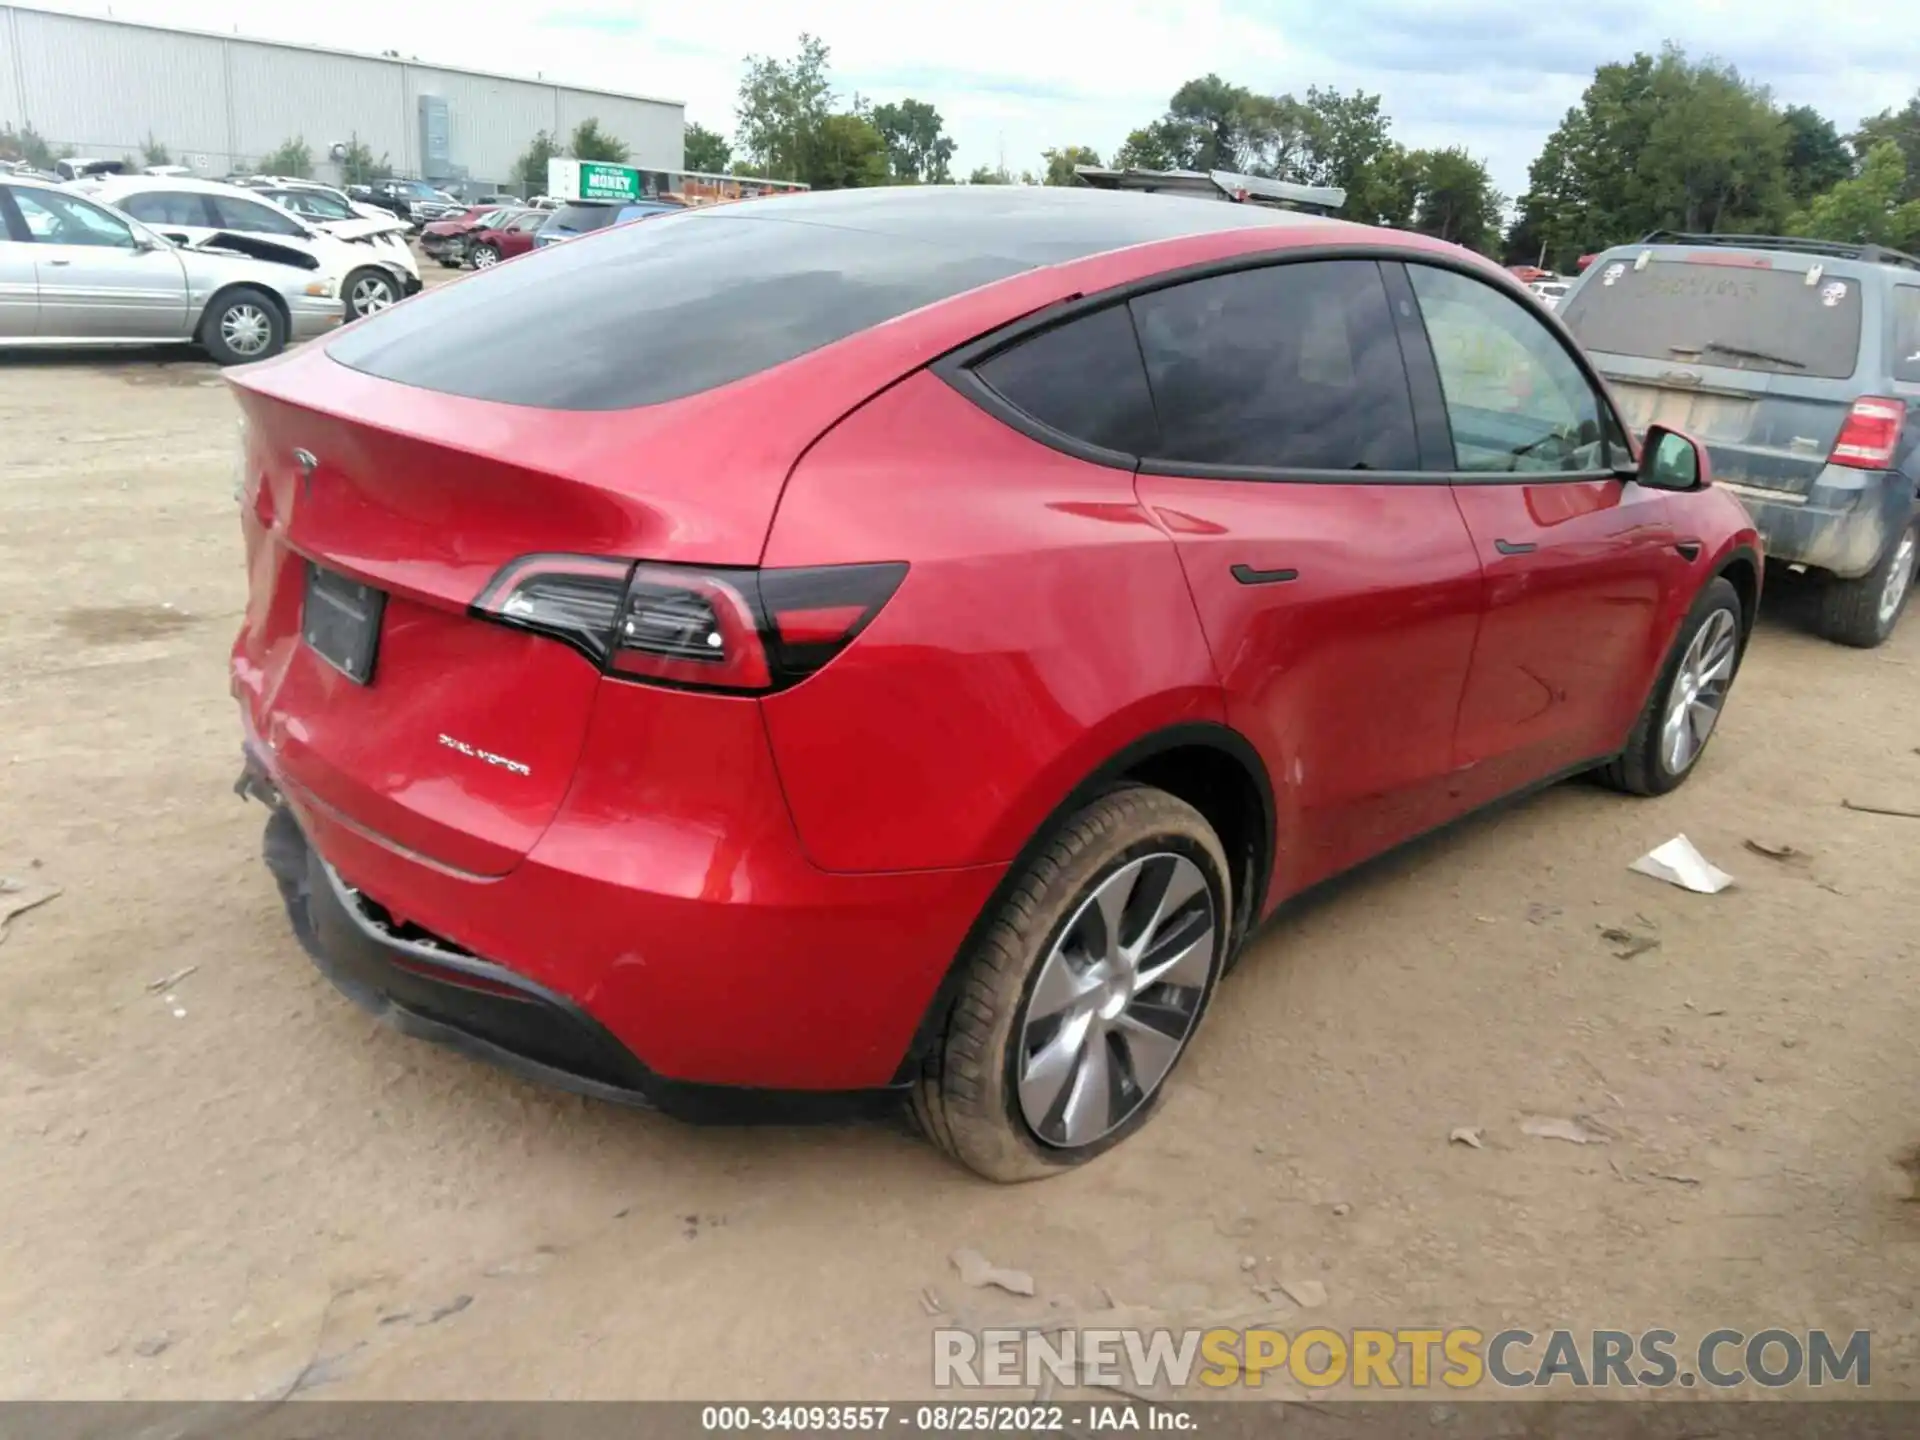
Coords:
241,1186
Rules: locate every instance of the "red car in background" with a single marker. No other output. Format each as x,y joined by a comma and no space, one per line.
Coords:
902,642
445,240
505,237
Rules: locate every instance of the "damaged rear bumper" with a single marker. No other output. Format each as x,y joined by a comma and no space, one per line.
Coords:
1842,525
433,989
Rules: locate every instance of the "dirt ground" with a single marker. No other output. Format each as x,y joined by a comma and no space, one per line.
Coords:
240,1186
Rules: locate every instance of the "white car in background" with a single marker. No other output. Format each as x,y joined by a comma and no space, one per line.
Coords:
1550,292
373,267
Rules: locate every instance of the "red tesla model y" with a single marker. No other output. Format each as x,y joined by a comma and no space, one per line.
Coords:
902,642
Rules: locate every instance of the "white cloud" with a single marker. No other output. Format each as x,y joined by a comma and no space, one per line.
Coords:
1012,77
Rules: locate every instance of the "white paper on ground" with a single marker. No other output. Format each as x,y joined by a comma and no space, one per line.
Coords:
1678,863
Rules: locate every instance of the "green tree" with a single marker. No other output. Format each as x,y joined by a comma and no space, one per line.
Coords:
25,144
154,153
1061,163
1817,158
1453,197
1167,144
706,151
358,165
989,175
590,142
530,170
1657,144
781,110
1902,128
293,157
847,152
1867,209
918,147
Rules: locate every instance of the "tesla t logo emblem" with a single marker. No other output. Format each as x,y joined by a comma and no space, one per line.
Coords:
306,461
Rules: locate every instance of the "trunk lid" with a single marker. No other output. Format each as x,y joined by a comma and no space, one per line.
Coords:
461,743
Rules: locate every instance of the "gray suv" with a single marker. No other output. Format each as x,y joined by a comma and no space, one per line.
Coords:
1797,362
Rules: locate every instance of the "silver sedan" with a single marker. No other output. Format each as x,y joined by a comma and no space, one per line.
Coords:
76,272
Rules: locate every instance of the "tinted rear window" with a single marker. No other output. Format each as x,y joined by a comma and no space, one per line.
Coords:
1743,318
642,314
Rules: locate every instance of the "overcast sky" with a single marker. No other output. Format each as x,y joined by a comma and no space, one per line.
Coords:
1015,76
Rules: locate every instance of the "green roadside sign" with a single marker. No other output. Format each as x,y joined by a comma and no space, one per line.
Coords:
608,182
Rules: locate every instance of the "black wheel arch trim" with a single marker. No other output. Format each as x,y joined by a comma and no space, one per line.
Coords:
1106,776
1752,559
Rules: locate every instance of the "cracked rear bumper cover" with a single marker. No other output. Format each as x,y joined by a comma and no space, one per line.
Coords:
431,989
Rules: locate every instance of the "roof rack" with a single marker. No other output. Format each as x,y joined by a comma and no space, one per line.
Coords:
1870,254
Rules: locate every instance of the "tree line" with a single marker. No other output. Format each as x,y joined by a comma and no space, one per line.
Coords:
1657,142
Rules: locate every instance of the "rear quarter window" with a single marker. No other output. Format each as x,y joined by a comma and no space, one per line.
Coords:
1083,379
1766,318
643,314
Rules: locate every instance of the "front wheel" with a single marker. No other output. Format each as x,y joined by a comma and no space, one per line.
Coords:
1080,997
242,326
1684,708
370,291
1863,612
485,257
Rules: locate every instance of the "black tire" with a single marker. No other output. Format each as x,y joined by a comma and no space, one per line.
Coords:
1642,767
369,290
483,257
1856,612
234,318
967,1098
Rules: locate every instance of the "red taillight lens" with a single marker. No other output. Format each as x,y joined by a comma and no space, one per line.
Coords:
692,627
1871,435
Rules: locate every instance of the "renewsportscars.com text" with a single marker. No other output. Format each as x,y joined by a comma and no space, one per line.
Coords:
1460,1358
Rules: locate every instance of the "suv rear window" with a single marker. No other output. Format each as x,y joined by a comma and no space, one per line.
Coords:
642,314
1708,312
578,219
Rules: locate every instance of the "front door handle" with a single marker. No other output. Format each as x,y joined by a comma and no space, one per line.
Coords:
1508,547
59,262
1247,575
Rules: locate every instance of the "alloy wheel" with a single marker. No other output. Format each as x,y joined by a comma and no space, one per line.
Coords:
1115,1000
372,294
1699,690
246,329
1899,578
485,258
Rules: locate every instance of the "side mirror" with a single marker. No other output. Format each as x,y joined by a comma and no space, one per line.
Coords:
1670,460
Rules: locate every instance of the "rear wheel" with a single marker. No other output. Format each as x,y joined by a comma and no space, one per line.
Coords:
485,257
241,326
1079,999
1684,709
370,291
1863,612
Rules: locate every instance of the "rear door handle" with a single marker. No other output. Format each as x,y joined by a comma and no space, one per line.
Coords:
1247,575
1507,547
59,262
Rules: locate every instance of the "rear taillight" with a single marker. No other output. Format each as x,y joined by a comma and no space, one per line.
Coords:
1871,435
692,627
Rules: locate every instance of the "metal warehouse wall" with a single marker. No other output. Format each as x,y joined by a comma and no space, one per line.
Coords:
219,102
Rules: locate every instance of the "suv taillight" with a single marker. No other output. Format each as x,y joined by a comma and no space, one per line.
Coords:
1871,435
689,626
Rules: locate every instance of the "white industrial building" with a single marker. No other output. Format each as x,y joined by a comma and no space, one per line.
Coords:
219,102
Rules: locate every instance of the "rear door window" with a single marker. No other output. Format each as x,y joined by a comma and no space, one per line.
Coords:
1763,317
168,207
1291,367
1906,333
1083,379
578,219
